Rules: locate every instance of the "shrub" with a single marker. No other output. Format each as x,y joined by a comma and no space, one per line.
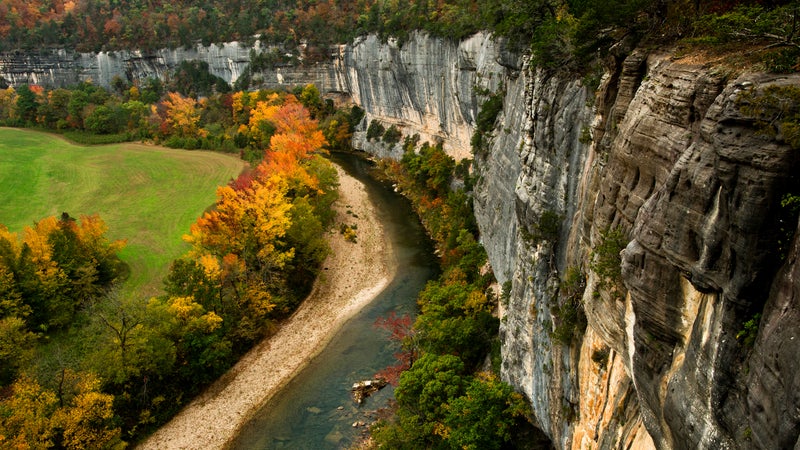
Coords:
545,229
569,316
175,141
392,135
787,220
606,259
747,23
85,138
505,293
776,110
375,130
484,123
570,322
355,116
747,335
349,232
786,60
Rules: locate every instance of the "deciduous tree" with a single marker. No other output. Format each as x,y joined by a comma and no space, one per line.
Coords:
181,116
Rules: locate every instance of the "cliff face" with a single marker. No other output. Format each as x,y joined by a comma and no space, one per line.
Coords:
662,154
426,86
64,68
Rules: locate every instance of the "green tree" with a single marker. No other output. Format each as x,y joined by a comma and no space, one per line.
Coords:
202,352
54,110
310,98
103,120
135,115
306,235
485,417
606,258
152,91
27,103
424,392
76,106
126,340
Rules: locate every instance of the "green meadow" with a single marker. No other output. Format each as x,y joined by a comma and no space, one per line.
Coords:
147,195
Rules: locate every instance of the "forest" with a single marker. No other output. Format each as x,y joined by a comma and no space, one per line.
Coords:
251,261
86,365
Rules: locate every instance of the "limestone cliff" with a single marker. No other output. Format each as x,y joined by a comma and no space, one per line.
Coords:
662,154
64,68
426,86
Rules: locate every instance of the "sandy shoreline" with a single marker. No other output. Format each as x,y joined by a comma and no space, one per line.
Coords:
354,274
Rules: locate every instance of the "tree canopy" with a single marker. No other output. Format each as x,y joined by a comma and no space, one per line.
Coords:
553,28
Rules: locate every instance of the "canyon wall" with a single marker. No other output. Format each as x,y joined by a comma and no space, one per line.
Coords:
661,157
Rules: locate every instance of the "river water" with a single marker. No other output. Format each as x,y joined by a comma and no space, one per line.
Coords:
316,410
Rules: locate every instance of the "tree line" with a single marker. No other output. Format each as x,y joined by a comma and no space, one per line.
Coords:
558,30
84,365
193,110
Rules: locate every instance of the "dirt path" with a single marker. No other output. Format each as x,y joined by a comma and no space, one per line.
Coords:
354,274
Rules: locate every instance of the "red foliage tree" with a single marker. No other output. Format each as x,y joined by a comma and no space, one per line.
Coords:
401,330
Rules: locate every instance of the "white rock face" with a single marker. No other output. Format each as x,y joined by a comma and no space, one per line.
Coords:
427,86
63,68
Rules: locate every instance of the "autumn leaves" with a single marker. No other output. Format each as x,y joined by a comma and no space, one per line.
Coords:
131,359
257,236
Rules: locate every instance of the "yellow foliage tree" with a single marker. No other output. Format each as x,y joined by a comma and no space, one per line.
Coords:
87,422
26,416
182,114
247,222
260,125
31,417
240,107
8,103
192,316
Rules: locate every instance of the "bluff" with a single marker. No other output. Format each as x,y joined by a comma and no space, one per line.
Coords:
661,155
229,61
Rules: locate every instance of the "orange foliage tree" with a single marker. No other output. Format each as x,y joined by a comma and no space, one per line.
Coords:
244,250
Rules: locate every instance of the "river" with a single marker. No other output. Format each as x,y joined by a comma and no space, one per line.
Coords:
315,410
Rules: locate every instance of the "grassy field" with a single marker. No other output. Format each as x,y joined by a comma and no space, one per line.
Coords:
145,194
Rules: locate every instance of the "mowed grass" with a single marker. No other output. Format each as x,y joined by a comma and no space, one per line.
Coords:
147,195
